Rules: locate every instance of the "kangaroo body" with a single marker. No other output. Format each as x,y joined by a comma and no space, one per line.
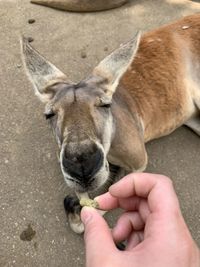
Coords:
160,89
145,89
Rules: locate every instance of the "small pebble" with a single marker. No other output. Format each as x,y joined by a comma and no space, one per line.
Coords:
19,66
105,48
30,39
31,21
83,54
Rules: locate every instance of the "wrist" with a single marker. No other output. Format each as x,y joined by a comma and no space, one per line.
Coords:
196,258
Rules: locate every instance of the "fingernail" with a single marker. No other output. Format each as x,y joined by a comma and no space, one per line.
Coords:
86,214
96,199
110,187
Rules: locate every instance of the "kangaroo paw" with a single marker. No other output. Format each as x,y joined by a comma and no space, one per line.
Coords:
73,209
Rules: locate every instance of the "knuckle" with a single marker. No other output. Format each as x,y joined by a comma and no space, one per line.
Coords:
166,180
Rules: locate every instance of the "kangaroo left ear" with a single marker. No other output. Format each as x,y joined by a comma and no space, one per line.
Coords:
41,72
115,65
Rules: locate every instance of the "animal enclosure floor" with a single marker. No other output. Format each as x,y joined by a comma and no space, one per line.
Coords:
33,227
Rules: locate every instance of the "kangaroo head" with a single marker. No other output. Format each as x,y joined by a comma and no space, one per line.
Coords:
80,113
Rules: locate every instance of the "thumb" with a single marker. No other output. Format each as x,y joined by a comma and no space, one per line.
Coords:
97,236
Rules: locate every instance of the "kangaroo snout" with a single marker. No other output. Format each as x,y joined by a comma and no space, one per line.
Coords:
83,166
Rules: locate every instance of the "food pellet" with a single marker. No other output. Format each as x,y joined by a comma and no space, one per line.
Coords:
89,203
30,39
83,54
31,21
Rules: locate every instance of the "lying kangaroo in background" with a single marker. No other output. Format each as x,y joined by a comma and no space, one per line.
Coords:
143,90
81,5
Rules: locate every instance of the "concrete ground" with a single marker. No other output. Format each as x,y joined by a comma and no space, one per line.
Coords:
31,184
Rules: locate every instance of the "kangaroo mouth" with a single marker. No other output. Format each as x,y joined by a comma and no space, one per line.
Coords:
114,169
87,183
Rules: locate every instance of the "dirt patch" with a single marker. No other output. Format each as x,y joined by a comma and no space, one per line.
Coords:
28,234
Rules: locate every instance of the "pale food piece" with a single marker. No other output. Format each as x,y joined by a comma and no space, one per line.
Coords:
84,200
89,203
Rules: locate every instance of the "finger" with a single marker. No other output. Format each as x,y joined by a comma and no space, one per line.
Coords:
134,239
157,188
144,209
108,202
126,224
97,235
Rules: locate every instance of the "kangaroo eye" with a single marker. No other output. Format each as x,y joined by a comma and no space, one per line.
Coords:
106,105
49,115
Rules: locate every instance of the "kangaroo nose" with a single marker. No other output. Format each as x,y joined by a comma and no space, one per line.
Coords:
83,166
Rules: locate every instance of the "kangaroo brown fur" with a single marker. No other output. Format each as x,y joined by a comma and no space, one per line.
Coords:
143,90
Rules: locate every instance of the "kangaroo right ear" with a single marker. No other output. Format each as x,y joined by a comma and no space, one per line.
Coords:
41,72
116,64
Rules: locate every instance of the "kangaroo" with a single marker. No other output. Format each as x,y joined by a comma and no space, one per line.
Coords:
143,90
81,5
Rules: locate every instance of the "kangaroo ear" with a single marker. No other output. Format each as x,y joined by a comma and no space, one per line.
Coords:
41,72
115,65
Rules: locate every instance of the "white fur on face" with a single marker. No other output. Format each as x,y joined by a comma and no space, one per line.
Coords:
107,137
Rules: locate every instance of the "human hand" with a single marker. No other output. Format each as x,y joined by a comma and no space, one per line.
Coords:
152,225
